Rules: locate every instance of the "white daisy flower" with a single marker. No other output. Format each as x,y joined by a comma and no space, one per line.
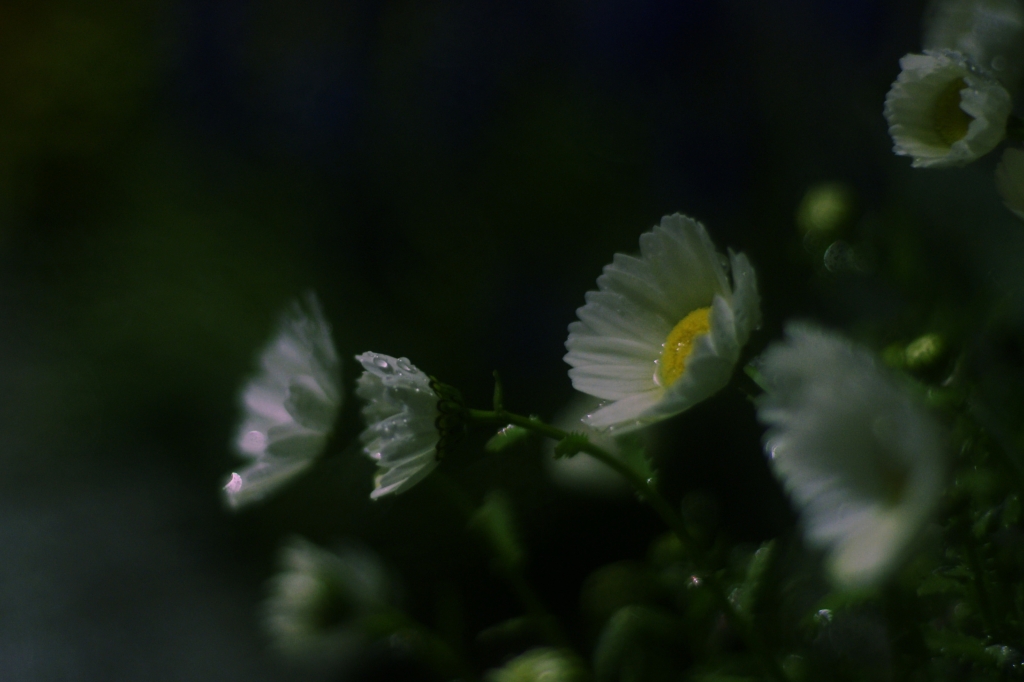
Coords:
990,32
316,602
862,460
664,330
290,407
1010,180
402,422
943,110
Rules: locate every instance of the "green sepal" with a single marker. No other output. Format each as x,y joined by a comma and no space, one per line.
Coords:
571,445
505,438
451,418
495,522
755,375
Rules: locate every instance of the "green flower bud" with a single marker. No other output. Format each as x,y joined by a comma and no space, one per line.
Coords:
826,207
924,351
540,665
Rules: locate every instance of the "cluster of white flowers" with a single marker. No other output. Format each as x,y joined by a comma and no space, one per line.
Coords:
663,332
290,407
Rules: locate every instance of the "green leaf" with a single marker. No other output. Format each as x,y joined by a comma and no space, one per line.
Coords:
513,628
505,438
938,583
760,562
637,644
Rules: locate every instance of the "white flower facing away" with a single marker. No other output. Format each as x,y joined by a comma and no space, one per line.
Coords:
664,330
401,412
862,460
290,407
943,110
316,600
1010,180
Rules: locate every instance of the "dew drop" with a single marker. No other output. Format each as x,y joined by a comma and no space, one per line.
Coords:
404,364
380,362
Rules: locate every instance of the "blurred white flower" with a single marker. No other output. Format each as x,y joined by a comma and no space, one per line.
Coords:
581,472
1010,180
862,460
943,110
401,414
318,598
664,330
290,407
990,32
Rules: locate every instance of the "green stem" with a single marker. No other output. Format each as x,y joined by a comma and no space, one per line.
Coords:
668,514
531,602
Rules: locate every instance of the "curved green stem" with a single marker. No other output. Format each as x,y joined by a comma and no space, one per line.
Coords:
668,514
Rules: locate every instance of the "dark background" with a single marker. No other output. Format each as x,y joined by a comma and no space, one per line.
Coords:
449,177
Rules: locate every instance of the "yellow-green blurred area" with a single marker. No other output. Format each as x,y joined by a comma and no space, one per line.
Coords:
450,178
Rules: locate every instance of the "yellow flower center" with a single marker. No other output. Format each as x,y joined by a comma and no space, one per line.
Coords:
950,120
679,345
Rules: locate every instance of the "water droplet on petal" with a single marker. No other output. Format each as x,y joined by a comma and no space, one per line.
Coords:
380,362
404,364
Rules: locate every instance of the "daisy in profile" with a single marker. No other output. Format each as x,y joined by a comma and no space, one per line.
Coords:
863,461
318,598
290,407
407,416
944,110
1010,180
664,330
